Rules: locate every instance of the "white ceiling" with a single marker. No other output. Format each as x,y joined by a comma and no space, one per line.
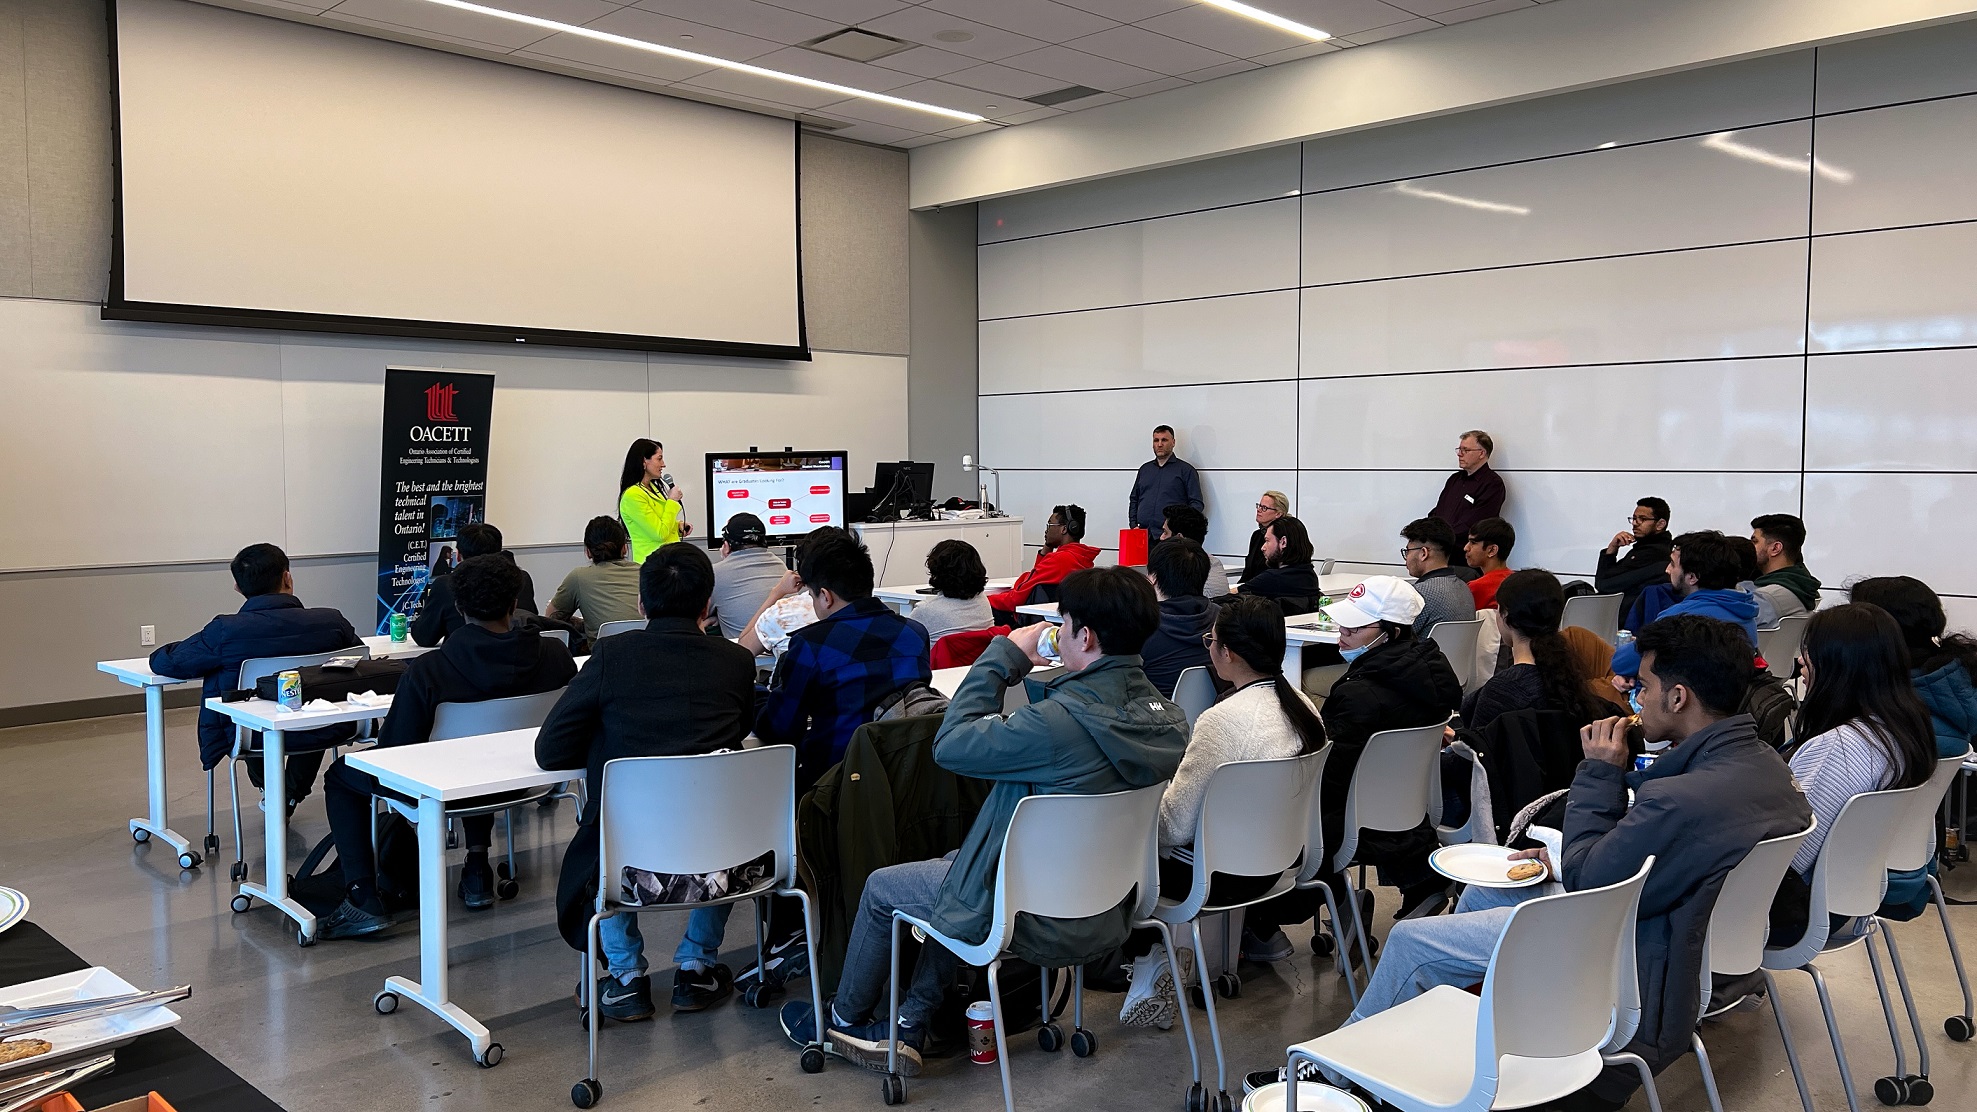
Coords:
1015,48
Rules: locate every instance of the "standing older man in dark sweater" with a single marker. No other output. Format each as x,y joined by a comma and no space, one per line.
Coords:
1474,493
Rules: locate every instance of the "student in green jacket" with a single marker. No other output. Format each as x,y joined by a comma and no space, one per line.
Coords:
1101,727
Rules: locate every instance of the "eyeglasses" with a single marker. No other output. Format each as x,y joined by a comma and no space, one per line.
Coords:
1461,451
1639,520
1406,552
1208,639
1265,507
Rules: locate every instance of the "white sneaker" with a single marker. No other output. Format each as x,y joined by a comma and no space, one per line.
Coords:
1150,999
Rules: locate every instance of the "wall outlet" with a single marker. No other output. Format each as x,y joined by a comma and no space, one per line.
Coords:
147,635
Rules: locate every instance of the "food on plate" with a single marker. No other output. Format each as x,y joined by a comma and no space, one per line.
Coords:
1525,870
15,1050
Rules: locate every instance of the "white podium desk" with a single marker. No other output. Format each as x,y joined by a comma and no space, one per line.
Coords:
899,548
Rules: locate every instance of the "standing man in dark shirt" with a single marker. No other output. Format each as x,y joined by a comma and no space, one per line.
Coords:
1165,480
1473,493
1647,563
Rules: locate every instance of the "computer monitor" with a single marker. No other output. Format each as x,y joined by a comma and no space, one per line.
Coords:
792,492
897,486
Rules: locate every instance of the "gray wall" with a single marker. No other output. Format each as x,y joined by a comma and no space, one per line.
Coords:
55,165
941,381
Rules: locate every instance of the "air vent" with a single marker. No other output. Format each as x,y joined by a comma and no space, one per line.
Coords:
821,123
859,46
1068,93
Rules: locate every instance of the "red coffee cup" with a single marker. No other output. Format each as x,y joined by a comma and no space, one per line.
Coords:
981,1033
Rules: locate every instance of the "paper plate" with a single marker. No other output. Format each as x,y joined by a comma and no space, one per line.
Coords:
1484,865
13,908
1312,1096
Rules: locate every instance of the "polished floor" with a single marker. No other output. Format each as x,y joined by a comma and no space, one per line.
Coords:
299,1023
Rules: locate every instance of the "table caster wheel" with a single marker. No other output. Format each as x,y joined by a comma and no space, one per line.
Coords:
304,939
140,836
237,872
1050,1037
491,1058
242,903
892,1088
189,860
385,1002
1920,1091
1083,1043
212,845
586,1093
1228,986
812,1059
1892,1090
1958,1028
1197,1098
760,995
506,889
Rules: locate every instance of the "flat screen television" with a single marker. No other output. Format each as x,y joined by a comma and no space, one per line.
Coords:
792,492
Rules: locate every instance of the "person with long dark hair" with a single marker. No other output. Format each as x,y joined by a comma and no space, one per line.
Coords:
648,503
1543,673
1288,575
1861,729
959,603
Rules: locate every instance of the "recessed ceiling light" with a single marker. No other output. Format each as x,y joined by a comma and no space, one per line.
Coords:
1270,18
956,35
707,59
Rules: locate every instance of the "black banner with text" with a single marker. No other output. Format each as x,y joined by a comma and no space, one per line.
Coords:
433,480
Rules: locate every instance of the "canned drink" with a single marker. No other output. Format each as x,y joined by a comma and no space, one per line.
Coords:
981,1033
289,689
398,628
1047,644
1642,761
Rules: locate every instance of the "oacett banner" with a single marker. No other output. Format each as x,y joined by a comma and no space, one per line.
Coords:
433,480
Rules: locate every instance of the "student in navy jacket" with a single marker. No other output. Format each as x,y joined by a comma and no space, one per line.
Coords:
272,622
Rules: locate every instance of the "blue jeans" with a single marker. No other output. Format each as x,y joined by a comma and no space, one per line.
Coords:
1443,949
624,945
861,987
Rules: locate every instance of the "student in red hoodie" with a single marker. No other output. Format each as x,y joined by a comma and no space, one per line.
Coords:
1490,541
1064,552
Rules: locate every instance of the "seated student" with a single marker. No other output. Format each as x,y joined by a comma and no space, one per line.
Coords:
1262,718
1488,551
786,609
1782,578
1186,521
1593,658
745,574
1646,564
440,617
1767,614
1064,552
486,658
662,691
1100,728
604,590
1288,575
1860,729
1392,681
1543,673
1702,572
1271,506
958,604
1714,791
271,622
1444,593
838,669
1177,568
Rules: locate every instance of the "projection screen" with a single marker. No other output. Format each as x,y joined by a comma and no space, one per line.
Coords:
281,175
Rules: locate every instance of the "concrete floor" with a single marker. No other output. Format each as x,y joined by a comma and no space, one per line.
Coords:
299,1024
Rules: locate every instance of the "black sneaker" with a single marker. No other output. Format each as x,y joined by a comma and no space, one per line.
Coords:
626,1003
866,1044
477,883
349,921
785,958
697,990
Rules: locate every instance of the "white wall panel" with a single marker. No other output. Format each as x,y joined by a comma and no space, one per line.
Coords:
1915,525
1892,411
1713,303
1238,425
1244,337
1231,496
1742,94
1908,164
1962,613
1729,415
1357,515
1933,62
1907,288
1214,183
1235,250
1653,197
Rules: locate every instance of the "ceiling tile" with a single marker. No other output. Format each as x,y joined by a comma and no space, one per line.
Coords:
1091,102
1218,30
925,61
1129,11
990,44
763,21
1338,17
1429,7
826,67
881,134
878,112
767,89
312,7
916,141
1075,66
846,12
1308,50
1140,47
680,34
1233,65
968,129
1001,79
1153,87
1391,31
1478,11
415,15
1039,19
620,59
1033,115
992,105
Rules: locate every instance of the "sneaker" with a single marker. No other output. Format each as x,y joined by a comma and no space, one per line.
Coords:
1150,1000
1265,951
625,1002
476,883
799,1022
1256,1079
865,1044
349,921
696,990
785,958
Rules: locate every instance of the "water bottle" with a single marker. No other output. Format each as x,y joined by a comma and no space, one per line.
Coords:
398,628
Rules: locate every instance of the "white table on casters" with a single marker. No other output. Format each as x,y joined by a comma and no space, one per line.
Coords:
435,774
905,597
273,722
1296,637
1044,610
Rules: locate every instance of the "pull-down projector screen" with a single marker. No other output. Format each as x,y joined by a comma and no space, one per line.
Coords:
283,175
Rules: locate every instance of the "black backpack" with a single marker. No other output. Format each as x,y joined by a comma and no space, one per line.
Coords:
1770,704
318,886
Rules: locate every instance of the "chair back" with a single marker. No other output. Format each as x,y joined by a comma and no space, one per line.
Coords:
697,814
492,716
1742,916
1314,822
253,669
1071,857
1915,842
1194,692
1599,613
1325,567
1253,818
1394,786
1851,874
1557,983
1779,644
612,629
562,635
1457,640
958,650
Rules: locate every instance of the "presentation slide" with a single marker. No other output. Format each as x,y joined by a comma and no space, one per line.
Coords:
792,492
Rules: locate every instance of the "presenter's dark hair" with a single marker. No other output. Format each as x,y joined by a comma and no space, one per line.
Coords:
1860,677
1495,531
1431,531
1251,627
676,581
955,569
479,539
1073,519
635,457
604,539
1712,658
1296,540
1117,604
1786,528
1184,520
1179,567
831,559
257,569
485,587
1712,558
1656,506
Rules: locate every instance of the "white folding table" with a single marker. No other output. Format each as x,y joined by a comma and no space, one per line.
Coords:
1296,636
433,775
1044,610
905,597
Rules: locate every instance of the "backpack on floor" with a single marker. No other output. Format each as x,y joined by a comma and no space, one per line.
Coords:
318,881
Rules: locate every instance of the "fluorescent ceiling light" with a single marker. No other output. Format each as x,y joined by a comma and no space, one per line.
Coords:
1273,20
709,60
1413,190
1722,141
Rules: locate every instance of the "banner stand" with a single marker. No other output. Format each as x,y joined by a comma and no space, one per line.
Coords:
432,480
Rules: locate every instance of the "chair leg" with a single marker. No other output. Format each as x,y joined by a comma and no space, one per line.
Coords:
1627,1058
1214,1026
1708,1074
508,834
590,989
212,835
1181,996
892,1033
1887,1006
1785,1036
810,947
1358,928
1077,998
1907,999
1340,943
1956,955
995,1005
1833,1033
233,790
